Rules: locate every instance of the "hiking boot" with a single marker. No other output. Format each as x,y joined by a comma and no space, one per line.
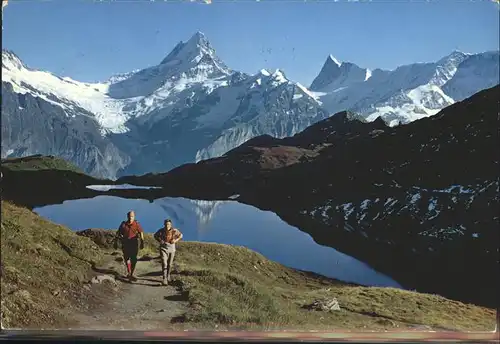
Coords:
169,279
133,278
164,281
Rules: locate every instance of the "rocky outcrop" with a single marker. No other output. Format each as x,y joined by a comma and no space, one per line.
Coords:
103,238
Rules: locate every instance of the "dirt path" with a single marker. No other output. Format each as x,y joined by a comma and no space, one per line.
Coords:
117,304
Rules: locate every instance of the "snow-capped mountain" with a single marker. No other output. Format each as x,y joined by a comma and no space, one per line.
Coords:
269,104
45,117
191,106
188,63
336,75
407,93
69,95
120,77
473,74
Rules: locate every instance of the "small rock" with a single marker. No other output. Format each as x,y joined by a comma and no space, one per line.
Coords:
55,292
325,305
86,287
101,278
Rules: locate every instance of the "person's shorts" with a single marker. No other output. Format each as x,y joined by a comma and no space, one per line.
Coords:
130,248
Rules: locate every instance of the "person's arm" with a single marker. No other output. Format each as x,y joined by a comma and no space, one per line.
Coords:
140,230
178,236
157,236
141,234
118,236
119,232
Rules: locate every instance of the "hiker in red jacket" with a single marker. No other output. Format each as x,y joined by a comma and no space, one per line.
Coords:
167,237
130,232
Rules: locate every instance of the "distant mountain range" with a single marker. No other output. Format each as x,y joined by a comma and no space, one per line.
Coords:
192,106
408,93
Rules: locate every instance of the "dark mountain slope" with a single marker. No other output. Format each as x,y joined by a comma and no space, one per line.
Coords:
39,180
418,202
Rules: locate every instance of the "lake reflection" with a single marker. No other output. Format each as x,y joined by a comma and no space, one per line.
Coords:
226,222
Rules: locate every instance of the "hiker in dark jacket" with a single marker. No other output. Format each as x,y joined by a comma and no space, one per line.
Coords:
167,237
130,233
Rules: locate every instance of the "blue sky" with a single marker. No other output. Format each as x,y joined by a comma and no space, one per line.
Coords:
90,41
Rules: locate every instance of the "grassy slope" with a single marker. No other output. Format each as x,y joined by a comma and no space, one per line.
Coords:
235,285
39,259
39,162
226,285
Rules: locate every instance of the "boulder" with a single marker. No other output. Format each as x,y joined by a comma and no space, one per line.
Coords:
325,305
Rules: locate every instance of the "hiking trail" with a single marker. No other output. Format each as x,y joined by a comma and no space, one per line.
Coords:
117,304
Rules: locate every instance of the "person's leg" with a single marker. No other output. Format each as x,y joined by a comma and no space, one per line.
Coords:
164,263
170,262
126,257
134,251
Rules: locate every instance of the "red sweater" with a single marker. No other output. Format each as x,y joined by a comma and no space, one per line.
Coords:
129,230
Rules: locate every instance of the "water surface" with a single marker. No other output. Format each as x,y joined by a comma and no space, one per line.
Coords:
121,186
226,222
